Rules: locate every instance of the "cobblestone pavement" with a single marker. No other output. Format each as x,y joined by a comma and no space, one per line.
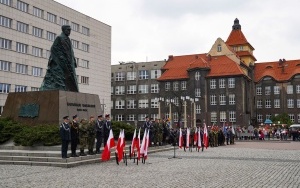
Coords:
240,165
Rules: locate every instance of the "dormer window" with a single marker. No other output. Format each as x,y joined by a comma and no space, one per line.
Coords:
241,48
219,48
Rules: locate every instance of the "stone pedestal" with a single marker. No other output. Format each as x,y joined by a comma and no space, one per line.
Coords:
48,107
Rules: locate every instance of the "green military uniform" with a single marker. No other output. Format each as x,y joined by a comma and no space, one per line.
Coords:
83,135
158,133
91,137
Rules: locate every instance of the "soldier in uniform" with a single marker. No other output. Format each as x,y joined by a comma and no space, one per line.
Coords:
147,125
65,134
83,135
91,135
74,135
106,128
99,133
157,132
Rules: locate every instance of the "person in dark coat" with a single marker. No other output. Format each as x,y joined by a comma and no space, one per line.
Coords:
99,133
74,135
65,134
106,128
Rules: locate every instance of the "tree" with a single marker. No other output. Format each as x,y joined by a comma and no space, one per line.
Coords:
282,118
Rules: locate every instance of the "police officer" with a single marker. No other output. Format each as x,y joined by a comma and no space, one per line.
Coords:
99,133
74,135
83,135
65,135
91,135
106,128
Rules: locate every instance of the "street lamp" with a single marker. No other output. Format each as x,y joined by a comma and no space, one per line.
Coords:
193,110
159,109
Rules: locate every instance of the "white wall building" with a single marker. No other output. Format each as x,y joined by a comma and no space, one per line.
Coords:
28,29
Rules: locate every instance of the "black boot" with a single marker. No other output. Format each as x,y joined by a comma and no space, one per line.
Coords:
82,152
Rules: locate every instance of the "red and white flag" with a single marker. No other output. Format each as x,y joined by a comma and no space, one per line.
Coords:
120,145
196,136
205,136
187,144
138,144
180,141
142,150
146,145
199,139
133,142
109,144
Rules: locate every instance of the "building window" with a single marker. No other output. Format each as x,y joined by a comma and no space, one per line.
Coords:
276,103
290,89
267,90
35,89
120,76
154,103
219,48
131,89
143,103
48,53
154,88
131,75
84,63
120,90
232,116
231,82
198,109
131,117
213,117
259,118
276,90
197,76
20,68
267,103
141,117
22,6
51,17
37,12
84,80
20,88
231,99
4,43
143,89
258,91
112,90
22,48
37,51
4,88
297,89
290,103
154,116
298,103
51,36
197,92
183,85
222,99
64,21
213,84
120,104
155,74
85,47
6,22
222,83
259,103
75,43
167,86
143,74
22,27
292,117
74,26
175,86
176,101
85,31
120,117
213,100
131,104
5,65
37,32
6,2
222,116
175,116
268,116
37,71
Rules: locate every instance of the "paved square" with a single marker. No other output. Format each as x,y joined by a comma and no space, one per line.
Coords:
245,164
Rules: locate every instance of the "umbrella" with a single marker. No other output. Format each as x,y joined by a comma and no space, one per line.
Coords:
268,121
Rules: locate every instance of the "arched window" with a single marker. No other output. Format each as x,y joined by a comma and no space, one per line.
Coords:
197,76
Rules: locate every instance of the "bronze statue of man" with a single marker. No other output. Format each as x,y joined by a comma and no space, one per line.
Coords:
61,73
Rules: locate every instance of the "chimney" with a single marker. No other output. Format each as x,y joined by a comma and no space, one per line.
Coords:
170,58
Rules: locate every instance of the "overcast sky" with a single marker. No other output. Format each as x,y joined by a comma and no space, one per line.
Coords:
151,30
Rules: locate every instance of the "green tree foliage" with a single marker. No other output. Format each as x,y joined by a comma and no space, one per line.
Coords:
282,118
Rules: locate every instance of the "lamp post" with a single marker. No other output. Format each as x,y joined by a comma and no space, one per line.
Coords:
193,110
184,98
159,109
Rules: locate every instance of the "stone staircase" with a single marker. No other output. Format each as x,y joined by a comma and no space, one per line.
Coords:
51,156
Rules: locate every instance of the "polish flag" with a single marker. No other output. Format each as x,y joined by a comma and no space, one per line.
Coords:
109,144
142,150
133,142
138,144
180,141
195,136
146,146
199,139
205,136
187,144
120,145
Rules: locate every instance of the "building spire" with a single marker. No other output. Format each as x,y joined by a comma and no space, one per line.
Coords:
236,25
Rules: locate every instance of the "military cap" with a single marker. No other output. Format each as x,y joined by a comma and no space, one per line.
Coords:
99,116
107,115
66,117
146,117
75,116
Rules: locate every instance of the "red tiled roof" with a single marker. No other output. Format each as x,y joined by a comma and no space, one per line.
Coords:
275,70
245,53
177,66
236,37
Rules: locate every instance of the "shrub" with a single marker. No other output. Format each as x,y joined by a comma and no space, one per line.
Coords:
129,129
8,128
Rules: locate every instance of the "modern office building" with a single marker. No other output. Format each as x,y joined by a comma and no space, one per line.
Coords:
134,90
28,29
